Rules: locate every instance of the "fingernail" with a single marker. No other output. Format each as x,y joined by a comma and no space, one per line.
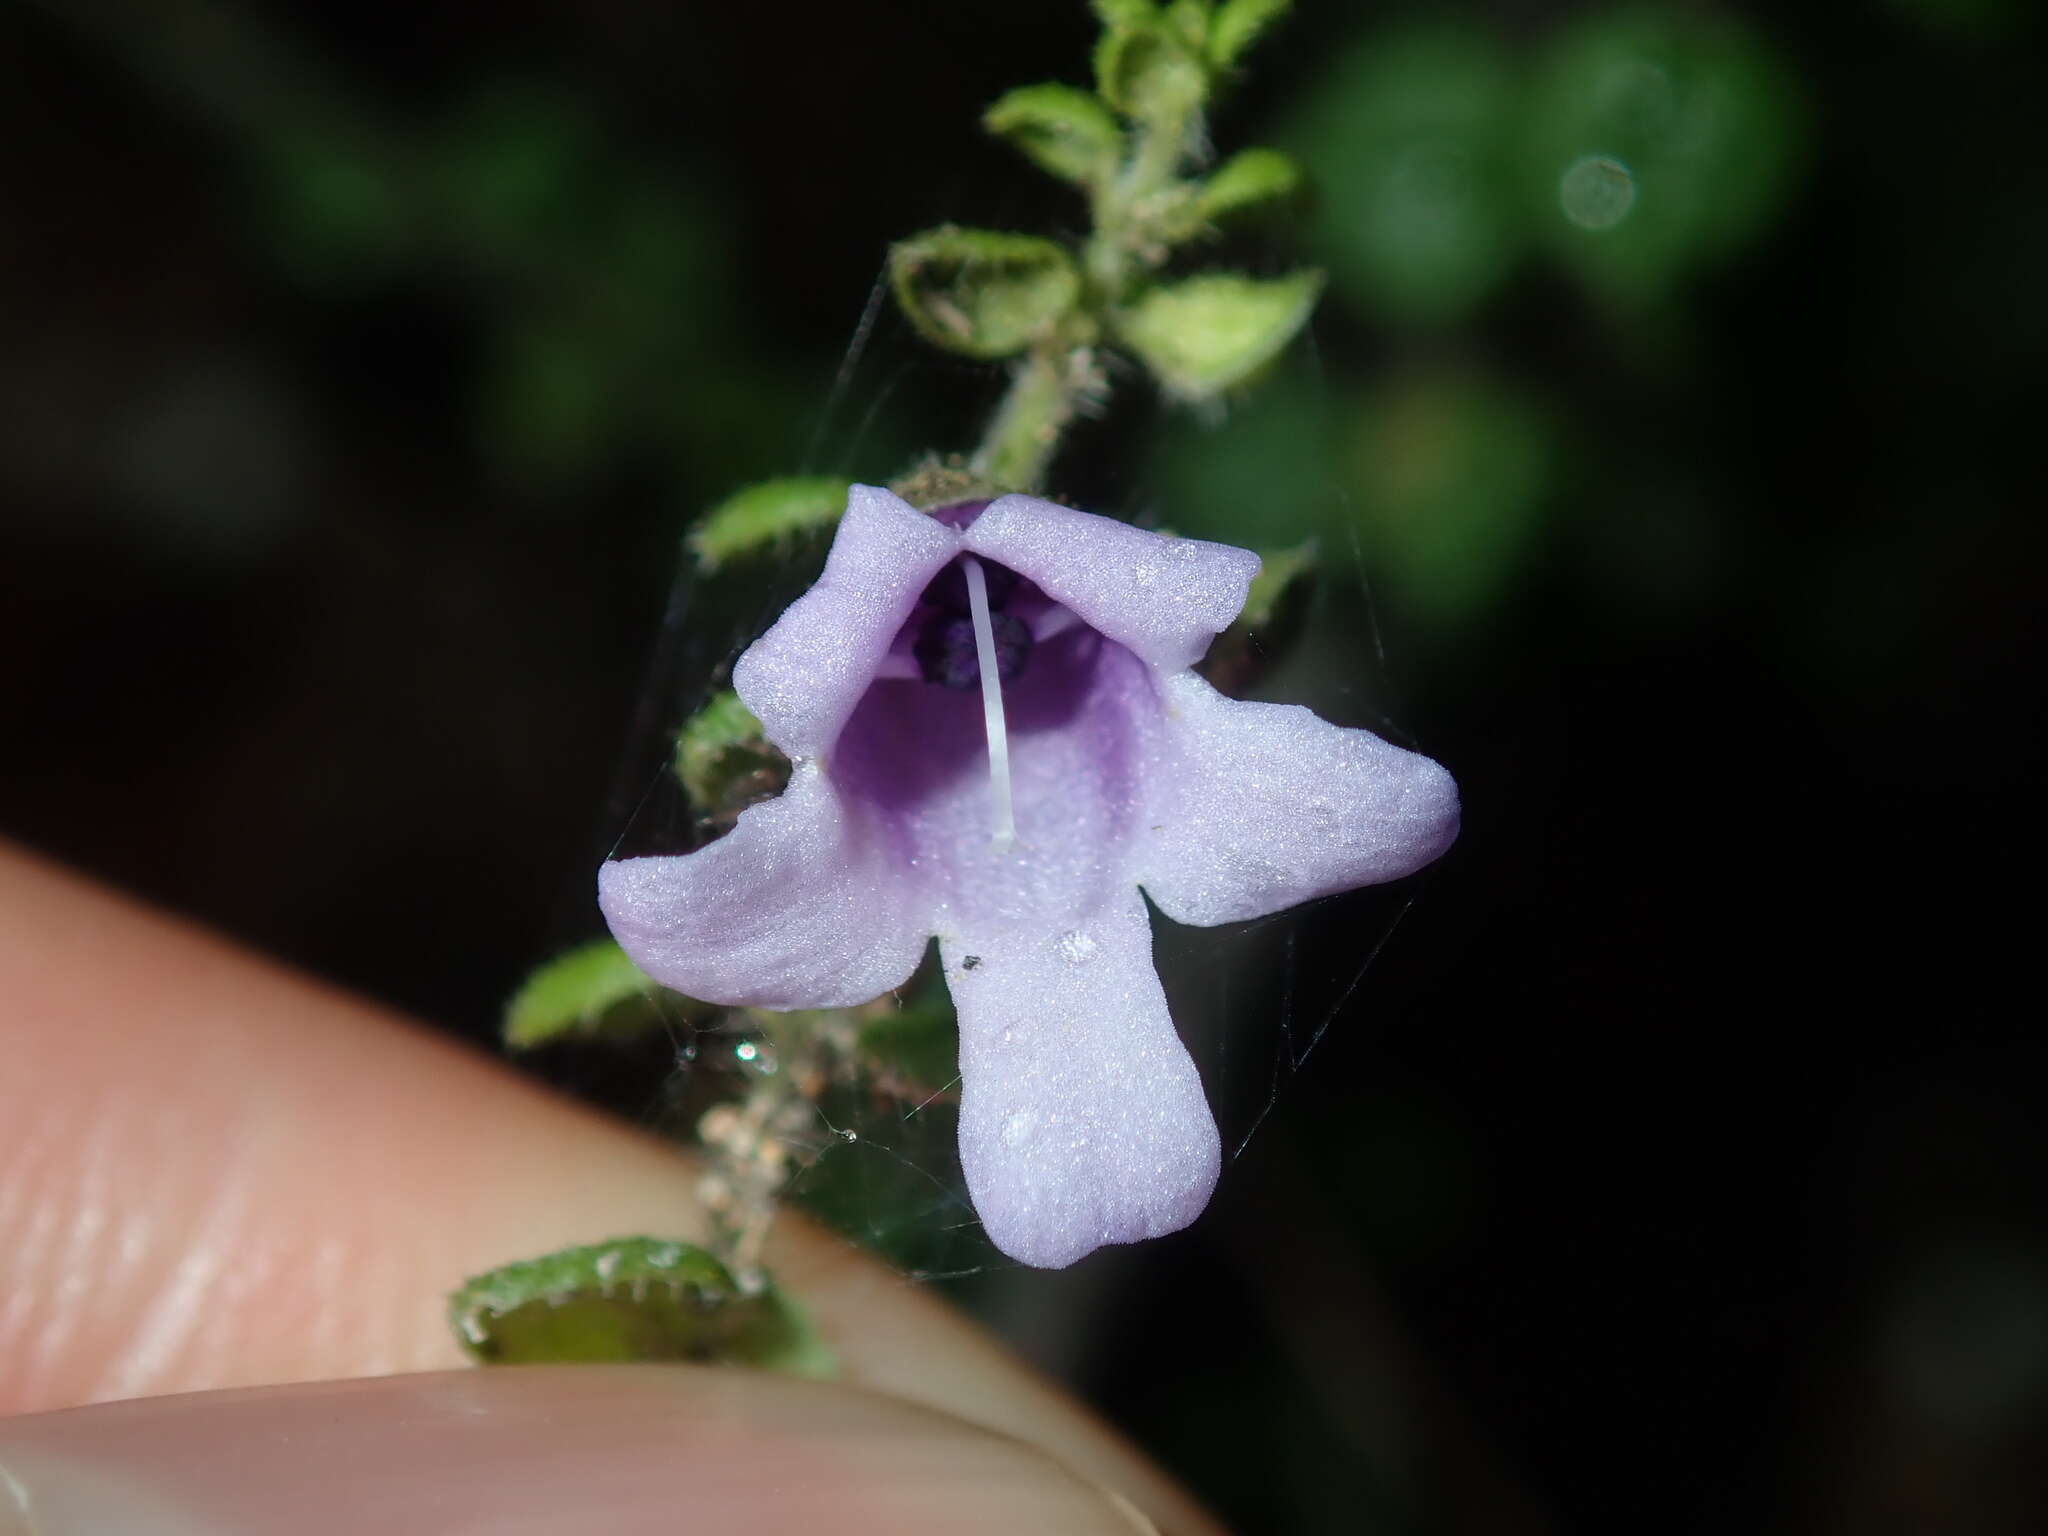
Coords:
13,1506
44,1495
1132,1516
621,1450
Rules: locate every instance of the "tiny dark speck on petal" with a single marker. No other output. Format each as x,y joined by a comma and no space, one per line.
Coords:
970,962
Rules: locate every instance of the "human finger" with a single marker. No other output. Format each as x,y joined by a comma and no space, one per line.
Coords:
215,1173
618,1449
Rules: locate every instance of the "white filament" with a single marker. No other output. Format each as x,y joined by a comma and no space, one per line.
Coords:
991,706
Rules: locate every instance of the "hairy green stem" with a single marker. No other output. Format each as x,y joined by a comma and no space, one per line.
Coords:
1047,387
1025,430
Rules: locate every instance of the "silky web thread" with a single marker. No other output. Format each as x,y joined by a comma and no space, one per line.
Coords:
991,706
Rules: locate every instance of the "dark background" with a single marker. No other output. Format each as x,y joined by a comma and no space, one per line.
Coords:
1677,1161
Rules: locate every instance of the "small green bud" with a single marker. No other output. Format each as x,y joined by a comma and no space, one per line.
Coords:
630,1299
1211,333
1247,179
980,292
1238,25
767,515
593,989
1065,131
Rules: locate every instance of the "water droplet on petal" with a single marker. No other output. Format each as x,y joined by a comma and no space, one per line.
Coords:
1076,948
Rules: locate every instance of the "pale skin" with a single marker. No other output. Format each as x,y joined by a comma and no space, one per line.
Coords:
218,1176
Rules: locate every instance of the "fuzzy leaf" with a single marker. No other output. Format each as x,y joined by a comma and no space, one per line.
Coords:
1151,74
765,515
593,989
724,761
1247,179
1210,333
1065,131
1190,19
984,293
1125,13
1238,25
629,1299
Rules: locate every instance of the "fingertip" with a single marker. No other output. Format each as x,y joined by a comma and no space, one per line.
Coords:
622,1450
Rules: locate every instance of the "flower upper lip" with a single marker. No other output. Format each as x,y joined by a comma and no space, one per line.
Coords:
1082,1118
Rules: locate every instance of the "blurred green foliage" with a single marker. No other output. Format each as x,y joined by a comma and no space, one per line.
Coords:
1409,138
1451,469
1630,151
1689,111
1639,146
584,269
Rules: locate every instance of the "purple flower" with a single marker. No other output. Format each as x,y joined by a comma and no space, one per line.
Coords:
1082,1120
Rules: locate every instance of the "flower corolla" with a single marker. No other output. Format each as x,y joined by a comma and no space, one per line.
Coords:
1016,819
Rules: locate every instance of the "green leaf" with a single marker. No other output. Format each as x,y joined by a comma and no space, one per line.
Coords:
584,992
724,761
1211,333
1247,179
983,293
1065,131
1151,74
767,515
629,1299
1238,25
1190,20
1125,13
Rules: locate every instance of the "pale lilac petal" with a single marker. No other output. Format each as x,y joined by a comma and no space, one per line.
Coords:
1164,598
1082,721
1082,1120
801,905
804,677
1266,806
